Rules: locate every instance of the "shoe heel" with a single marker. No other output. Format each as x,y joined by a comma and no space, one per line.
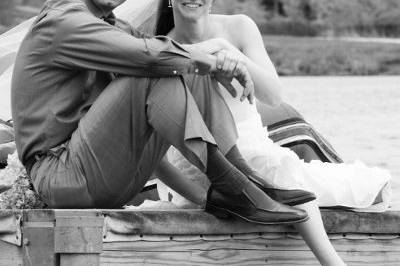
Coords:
217,212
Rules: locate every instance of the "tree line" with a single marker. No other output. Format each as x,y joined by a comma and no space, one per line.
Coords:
320,17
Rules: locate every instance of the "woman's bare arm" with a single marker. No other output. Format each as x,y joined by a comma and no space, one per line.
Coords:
250,46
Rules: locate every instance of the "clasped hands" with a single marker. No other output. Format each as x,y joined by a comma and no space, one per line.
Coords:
230,66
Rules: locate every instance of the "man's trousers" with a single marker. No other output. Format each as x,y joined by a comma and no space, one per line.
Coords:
123,137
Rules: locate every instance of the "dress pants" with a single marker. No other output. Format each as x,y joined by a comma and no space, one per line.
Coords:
123,137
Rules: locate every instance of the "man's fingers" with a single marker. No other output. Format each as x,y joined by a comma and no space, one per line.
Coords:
232,67
229,64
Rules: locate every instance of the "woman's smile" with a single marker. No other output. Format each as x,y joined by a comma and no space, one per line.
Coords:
192,5
192,9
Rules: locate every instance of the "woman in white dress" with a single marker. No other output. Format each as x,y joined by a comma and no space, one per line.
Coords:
348,185
334,184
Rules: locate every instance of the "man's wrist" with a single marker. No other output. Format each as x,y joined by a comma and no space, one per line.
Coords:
202,63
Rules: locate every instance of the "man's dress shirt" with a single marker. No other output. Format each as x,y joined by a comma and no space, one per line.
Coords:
51,88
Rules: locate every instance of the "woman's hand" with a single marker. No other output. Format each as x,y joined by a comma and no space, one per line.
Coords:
230,66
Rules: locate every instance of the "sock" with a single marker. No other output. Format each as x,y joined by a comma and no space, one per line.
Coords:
223,175
235,157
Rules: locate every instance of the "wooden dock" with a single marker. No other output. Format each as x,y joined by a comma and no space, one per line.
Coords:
185,237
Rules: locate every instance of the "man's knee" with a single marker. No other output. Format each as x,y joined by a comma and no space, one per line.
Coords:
168,96
158,90
167,90
128,83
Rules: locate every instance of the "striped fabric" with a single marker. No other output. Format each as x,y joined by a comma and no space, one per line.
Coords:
288,128
296,131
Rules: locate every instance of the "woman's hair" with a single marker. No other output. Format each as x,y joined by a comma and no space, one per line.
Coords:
165,18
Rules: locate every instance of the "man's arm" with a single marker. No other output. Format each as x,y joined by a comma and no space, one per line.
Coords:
84,41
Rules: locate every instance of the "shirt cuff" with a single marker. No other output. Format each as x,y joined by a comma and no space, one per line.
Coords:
200,63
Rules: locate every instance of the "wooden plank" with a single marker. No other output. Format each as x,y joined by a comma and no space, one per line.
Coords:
197,222
85,240
77,213
38,216
79,259
48,232
178,222
78,221
10,255
78,232
38,237
361,222
243,257
288,244
258,251
38,246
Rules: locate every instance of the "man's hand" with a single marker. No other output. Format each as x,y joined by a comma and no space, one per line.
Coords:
230,66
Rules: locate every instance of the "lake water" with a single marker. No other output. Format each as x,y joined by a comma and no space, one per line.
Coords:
360,116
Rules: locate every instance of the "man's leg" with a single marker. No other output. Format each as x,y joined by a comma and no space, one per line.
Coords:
111,138
152,155
109,142
188,132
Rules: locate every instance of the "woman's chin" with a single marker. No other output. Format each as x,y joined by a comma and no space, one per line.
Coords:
192,13
192,17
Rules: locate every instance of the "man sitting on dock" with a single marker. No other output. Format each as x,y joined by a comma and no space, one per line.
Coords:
90,140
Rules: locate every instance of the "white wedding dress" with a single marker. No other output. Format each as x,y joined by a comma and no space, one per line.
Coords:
349,185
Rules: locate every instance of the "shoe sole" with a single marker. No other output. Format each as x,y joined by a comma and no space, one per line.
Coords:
297,201
291,202
225,214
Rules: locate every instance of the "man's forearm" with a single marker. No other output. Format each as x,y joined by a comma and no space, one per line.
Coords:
89,43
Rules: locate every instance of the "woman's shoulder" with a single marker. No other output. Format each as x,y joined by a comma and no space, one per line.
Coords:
234,22
238,27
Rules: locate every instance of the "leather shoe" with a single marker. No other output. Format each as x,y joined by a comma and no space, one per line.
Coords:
247,206
289,197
